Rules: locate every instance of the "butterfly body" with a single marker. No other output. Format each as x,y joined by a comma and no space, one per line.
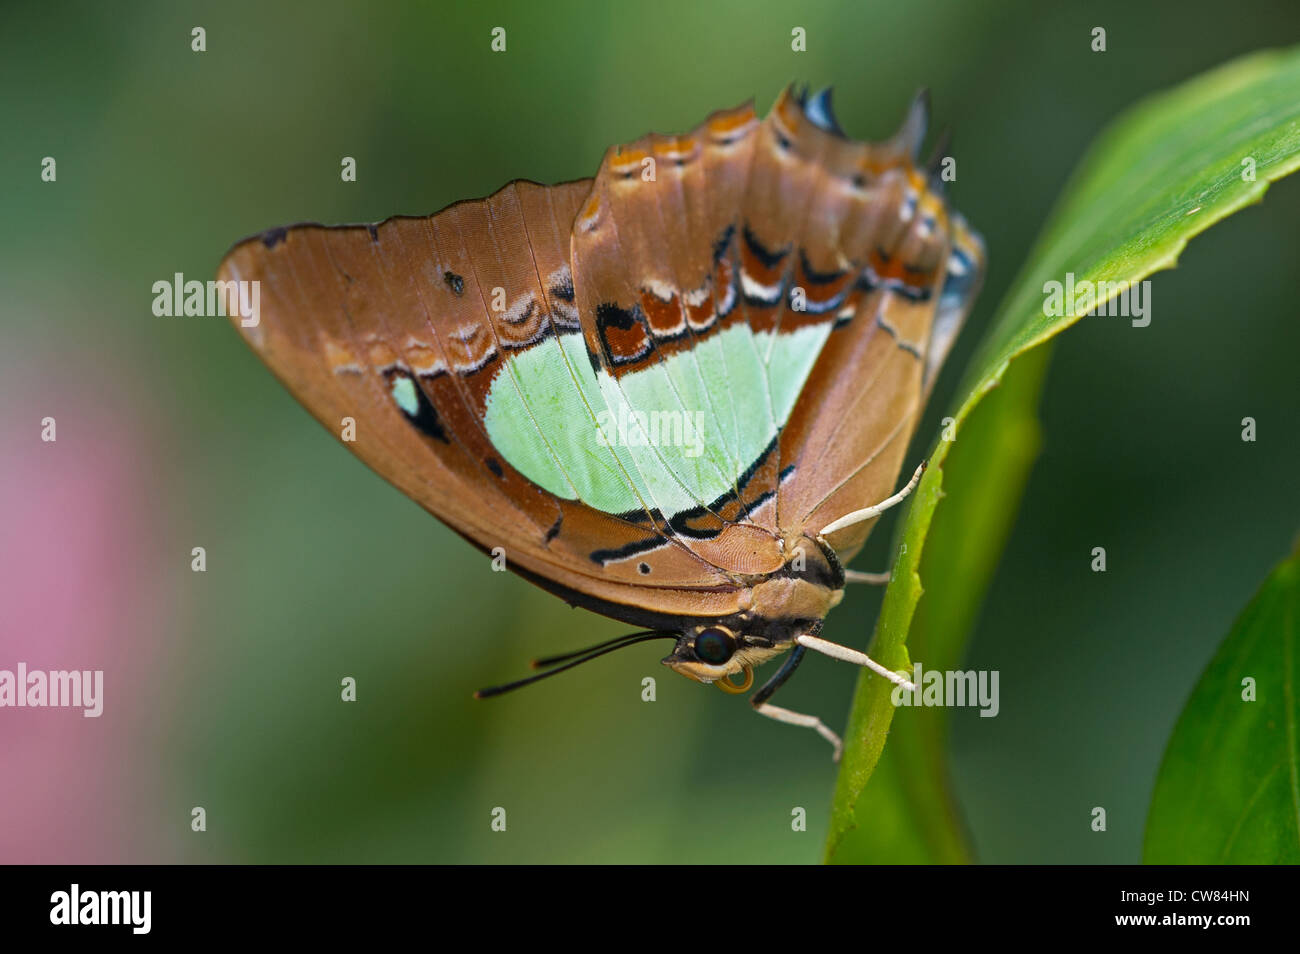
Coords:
659,391
775,611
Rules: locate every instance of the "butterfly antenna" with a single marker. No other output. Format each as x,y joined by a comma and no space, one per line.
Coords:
549,661
585,655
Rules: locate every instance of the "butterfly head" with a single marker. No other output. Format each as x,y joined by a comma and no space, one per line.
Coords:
714,653
792,601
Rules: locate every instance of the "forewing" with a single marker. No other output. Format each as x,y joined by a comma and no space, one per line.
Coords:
408,330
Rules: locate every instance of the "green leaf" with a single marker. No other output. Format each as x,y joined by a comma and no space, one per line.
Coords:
911,811
1228,791
1168,169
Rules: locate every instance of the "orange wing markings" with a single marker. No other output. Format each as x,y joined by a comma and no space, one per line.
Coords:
608,301
721,178
645,242
806,144
682,254
549,258
550,264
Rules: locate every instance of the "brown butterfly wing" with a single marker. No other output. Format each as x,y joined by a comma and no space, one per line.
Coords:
346,314
732,220
856,417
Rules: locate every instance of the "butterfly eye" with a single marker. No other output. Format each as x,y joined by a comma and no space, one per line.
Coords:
715,646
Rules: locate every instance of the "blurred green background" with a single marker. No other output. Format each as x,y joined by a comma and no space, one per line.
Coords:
318,570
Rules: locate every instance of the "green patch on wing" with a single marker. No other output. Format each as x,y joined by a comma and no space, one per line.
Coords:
674,436
404,395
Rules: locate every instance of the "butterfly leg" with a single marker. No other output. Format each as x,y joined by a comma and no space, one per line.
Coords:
836,651
857,516
763,707
874,579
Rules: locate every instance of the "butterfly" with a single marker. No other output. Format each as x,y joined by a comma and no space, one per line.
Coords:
678,394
